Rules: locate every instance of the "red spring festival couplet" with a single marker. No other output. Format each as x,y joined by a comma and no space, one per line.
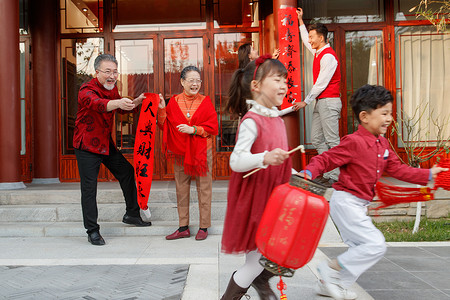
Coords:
289,43
143,148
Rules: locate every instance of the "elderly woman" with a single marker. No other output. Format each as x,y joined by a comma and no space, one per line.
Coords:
188,122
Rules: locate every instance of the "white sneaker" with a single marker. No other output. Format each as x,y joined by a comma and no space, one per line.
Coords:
323,291
331,283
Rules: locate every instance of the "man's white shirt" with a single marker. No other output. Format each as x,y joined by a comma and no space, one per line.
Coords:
328,65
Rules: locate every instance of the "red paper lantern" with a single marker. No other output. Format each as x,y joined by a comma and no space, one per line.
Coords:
291,226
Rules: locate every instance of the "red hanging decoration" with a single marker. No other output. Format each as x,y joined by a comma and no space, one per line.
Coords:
144,148
282,286
391,195
443,178
289,44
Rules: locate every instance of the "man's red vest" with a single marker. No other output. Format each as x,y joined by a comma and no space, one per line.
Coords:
332,90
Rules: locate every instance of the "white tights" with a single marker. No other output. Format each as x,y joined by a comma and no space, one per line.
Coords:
245,275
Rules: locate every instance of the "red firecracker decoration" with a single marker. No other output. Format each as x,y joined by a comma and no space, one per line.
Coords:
391,195
443,178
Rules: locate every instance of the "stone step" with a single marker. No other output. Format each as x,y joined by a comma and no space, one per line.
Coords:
76,229
110,229
107,192
112,212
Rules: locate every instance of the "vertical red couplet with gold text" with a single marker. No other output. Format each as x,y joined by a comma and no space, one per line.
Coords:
144,148
289,44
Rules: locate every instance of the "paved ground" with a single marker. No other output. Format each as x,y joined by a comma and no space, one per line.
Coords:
91,282
153,268
414,273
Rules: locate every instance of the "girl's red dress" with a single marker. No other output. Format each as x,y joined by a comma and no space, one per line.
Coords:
247,197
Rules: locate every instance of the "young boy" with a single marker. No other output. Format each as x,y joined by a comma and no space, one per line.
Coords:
362,158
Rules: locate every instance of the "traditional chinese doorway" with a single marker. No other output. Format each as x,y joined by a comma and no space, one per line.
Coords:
153,41
154,65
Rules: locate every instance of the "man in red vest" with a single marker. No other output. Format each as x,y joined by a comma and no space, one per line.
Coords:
326,79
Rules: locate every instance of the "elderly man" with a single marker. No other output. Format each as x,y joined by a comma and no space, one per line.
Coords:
326,92
97,101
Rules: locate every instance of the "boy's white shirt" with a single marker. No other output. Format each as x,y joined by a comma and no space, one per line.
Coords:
241,159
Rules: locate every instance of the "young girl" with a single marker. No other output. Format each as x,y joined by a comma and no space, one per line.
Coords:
261,143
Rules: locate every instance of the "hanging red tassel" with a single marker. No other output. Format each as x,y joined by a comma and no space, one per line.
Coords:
282,286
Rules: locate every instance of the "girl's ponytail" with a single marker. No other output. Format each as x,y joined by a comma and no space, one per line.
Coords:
237,95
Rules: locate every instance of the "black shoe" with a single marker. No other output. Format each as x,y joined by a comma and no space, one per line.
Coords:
135,221
96,239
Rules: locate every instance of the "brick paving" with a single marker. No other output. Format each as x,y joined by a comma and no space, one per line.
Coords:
93,282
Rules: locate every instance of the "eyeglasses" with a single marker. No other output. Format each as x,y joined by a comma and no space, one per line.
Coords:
191,81
109,72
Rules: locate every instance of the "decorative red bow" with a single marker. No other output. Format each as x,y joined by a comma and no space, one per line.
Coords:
259,61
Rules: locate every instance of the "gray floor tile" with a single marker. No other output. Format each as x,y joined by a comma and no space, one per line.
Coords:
410,294
332,252
439,251
385,265
439,280
421,263
391,280
408,251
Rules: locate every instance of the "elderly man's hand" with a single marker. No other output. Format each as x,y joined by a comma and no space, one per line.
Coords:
125,104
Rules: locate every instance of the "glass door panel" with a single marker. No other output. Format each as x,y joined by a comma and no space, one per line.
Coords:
363,65
423,80
136,68
135,58
77,63
226,46
178,54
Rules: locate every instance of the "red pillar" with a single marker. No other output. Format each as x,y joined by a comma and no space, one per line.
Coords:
292,120
43,24
10,168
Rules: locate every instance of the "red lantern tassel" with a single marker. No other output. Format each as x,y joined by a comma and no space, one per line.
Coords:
282,286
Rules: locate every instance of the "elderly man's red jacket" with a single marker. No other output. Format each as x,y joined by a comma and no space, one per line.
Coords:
93,125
